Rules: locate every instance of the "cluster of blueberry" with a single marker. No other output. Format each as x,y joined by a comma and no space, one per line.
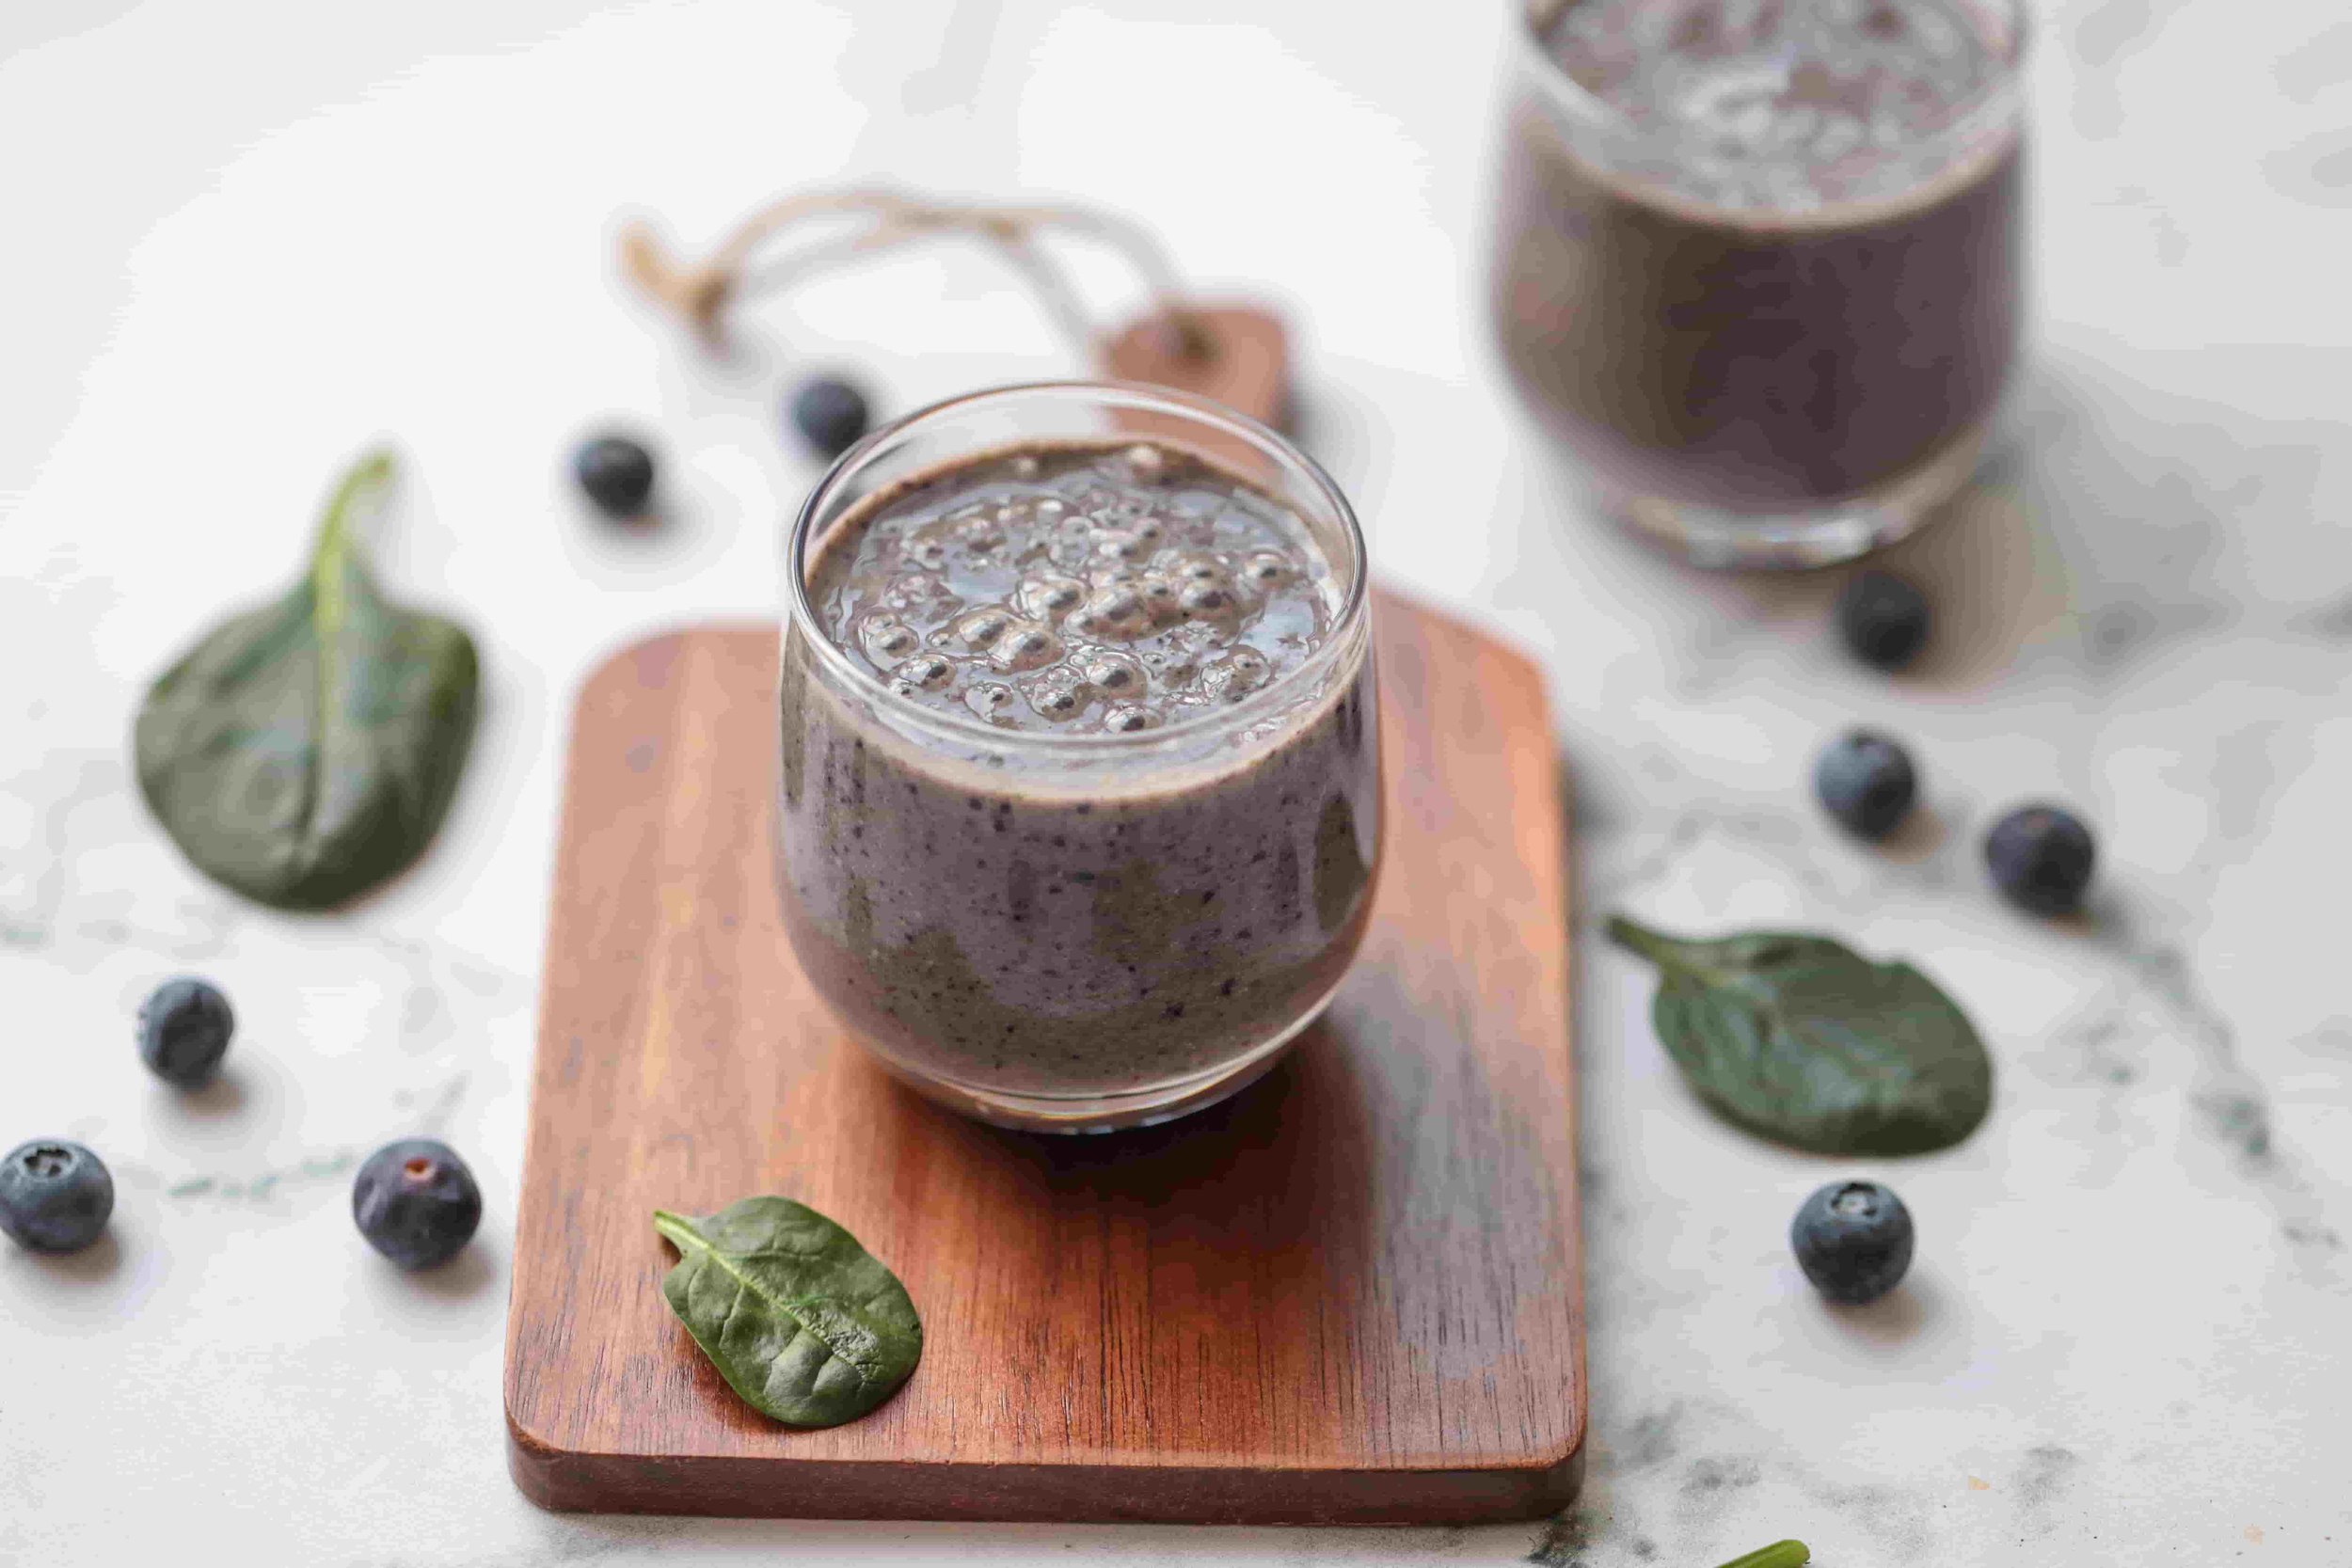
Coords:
2041,856
414,1200
1854,1239
616,471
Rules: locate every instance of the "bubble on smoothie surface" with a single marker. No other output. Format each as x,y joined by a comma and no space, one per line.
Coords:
887,639
1234,675
1127,717
980,630
1048,595
1104,589
927,671
1025,646
991,699
1114,674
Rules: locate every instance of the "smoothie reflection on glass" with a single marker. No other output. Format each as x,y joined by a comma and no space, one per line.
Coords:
1758,263
1079,807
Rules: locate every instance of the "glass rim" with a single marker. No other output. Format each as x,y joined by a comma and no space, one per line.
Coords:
1138,396
1999,99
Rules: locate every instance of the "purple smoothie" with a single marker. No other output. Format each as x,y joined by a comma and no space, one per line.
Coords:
1169,863
1762,258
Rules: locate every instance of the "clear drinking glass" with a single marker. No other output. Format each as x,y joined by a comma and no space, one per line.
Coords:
1076,930
1759,264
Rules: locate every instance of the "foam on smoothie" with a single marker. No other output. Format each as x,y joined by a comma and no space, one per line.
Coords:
1780,105
1075,588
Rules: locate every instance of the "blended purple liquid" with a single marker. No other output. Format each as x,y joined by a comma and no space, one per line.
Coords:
1781,266
1002,924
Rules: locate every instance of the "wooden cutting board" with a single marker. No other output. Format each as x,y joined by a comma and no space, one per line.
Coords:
1350,1295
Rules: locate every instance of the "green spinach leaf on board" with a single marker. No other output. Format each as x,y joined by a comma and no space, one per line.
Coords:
1799,1039
304,752
800,1320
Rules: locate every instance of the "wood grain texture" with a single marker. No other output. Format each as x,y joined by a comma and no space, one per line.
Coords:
1349,1295
1244,363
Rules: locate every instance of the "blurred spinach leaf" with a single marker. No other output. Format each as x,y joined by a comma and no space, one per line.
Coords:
304,752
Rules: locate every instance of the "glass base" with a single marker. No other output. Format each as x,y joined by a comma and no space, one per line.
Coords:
1106,1113
1818,537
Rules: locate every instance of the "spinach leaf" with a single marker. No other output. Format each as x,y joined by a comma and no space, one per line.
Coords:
799,1319
1780,1554
1799,1039
304,752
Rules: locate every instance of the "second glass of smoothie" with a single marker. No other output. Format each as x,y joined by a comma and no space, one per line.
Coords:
1757,264
1079,807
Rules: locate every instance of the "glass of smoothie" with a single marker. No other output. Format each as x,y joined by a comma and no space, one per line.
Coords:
1079,803
1758,263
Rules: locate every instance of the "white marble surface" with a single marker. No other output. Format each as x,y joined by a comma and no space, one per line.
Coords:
241,239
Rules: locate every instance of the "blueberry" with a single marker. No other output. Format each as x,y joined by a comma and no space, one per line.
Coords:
54,1195
2041,859
1883,619
617,473
416,1202
1866,782
184,1031
831,414
1852,1239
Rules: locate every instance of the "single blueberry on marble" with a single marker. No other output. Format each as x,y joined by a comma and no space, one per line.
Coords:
416,1202
1854,1241
1866,781
830,413
184,1029
2040,857
55,1195
616,474
1883,619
